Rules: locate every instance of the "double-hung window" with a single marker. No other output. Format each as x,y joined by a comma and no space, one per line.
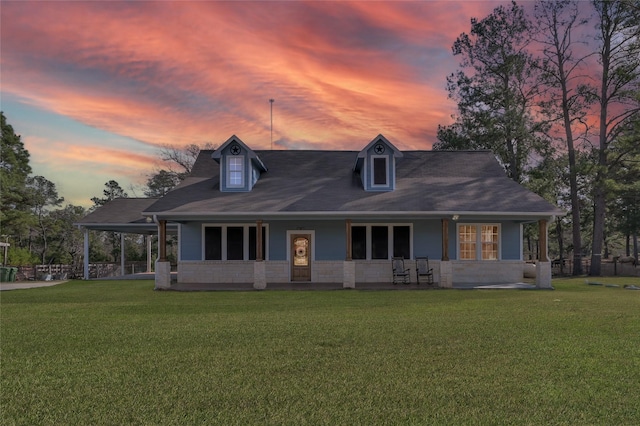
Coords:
478,242
232,242
380,170
380,241
235,171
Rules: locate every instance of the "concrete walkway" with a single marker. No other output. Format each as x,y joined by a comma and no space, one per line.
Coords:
28,284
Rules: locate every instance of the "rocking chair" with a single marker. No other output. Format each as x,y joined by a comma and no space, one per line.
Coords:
400,273
423,270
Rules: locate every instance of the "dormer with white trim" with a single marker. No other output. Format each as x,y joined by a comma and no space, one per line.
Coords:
376,164
240,167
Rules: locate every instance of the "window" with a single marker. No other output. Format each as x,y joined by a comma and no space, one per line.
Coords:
467,239
232,242
235,243
380,171
380,241
358,242
213,243
402,242
489,242
235,171
478,242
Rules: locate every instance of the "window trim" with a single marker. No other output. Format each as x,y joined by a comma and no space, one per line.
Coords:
245,240
390,235
478,227
387,183
229,171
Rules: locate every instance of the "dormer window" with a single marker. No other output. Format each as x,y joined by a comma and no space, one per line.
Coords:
376,165
235,171
240,167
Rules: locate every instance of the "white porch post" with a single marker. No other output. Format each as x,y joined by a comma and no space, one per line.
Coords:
543,265
149,252
348,266
122,271
163,267
86,254
259,266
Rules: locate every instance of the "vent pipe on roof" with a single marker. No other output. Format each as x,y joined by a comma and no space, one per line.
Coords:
271,101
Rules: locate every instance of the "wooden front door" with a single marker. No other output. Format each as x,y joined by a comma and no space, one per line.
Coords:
301,257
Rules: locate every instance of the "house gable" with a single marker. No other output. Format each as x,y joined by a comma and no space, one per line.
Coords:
376,165
240,166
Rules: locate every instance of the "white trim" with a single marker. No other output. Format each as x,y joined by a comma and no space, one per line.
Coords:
478,226
389,238
245,239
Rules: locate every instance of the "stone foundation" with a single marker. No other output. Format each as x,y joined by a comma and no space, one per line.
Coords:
163,275
349,273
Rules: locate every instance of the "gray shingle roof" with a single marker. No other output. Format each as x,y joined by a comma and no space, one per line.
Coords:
121,214
323,183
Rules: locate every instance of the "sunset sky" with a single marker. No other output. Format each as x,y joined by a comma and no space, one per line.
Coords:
96,87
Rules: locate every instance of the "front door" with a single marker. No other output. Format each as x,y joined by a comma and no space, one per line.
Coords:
301,257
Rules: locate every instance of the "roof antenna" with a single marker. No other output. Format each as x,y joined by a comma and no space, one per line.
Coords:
271,101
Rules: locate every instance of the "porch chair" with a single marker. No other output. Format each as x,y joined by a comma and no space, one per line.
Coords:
423,270
400,273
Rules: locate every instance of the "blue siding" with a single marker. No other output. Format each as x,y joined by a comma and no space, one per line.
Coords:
427,239
330,242
191,241
511,241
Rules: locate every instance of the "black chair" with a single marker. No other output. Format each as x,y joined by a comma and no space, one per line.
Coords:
423,270
400,273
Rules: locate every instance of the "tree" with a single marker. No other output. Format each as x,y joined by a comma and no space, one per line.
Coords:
626,185
112,191
496,92
564,101
66,241
14,170
182,157
42,194
160,183
617,98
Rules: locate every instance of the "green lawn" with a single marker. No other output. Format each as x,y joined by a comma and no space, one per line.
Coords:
109,352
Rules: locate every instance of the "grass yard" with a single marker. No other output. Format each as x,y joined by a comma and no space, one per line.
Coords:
109,352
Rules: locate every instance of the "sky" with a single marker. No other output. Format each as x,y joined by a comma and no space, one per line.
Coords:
96,88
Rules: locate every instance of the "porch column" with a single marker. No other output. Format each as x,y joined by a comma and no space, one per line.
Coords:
259,267
162,241
445,279
445,239
122,242
543,265
163,268
86,254
348,266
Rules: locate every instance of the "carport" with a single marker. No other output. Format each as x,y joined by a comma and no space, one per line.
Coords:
122,215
